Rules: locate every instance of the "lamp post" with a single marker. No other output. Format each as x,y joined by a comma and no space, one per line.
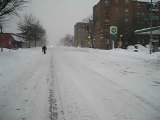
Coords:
29,37
121,37
89,27
120,41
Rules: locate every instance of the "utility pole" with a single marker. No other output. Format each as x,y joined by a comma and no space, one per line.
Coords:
151,24
1,44
29,38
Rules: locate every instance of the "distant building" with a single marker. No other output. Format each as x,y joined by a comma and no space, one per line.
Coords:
81,34
11,41
142,19
127,15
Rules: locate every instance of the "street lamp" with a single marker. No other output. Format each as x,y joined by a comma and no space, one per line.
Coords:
121,37
120,41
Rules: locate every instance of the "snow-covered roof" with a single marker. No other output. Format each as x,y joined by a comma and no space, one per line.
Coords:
146,31
154,32
16,38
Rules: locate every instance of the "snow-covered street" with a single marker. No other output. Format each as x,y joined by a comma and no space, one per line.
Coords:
79,84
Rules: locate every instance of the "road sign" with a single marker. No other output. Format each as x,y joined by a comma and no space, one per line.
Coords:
113,37
113,30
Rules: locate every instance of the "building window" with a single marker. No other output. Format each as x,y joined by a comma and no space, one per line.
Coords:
101,30
138,5
107,2
116,21
106,30
106,40
126,11
107,21
126,1
107,12
126,19
126,29
116,10
138,14
142,6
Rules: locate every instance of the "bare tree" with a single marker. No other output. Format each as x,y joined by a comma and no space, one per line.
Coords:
7,8
87,20
10,7
31,29
67,40
89,28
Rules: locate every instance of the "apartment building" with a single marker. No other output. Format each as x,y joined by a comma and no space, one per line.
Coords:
127,15
81,34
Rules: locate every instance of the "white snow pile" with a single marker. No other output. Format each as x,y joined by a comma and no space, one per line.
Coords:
140,48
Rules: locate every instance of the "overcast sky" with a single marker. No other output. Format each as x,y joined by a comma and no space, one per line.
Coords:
58,17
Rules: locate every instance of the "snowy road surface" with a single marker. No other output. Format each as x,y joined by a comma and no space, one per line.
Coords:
79,84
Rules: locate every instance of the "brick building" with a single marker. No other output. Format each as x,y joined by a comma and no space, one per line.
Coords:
81,34
11,41
127,15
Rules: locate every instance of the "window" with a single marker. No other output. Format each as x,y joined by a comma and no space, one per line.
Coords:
106,2
106,21
126,11
101,29
106,40
106,11
126,19
116,1
126,29
138,4
126,1
116,10
106,30
116,21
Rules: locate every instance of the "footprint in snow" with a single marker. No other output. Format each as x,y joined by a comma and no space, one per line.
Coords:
156,82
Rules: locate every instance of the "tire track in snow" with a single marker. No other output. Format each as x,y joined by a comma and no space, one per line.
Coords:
53,114
56,111
126,91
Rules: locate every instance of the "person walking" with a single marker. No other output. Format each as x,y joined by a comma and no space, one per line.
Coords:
44,48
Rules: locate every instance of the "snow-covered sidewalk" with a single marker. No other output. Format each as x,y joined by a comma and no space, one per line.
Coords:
23,85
